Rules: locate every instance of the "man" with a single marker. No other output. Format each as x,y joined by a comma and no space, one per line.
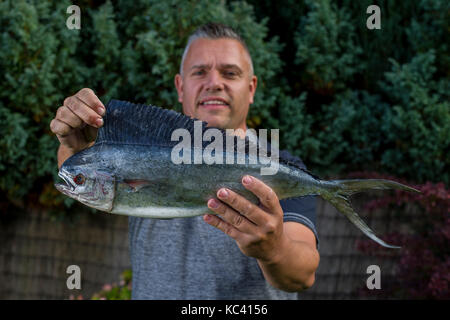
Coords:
250,252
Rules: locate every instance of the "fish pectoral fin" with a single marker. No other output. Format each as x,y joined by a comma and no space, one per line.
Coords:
137,185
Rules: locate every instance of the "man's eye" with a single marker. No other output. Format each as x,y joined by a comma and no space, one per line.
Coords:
230,74
198,73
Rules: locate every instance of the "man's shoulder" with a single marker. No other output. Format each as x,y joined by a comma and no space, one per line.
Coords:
298,208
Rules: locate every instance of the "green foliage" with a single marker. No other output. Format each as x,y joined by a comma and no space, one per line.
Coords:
418,129
326,49
114,291
376,100
121,291
345,97
34,58
126,50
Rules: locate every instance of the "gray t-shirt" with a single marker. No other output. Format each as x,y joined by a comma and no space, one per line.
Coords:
188,259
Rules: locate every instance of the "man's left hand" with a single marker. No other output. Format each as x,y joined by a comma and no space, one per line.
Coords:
258,230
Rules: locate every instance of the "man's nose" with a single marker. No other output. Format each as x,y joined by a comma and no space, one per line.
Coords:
214,82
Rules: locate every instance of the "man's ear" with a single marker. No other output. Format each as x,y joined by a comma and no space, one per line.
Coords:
179,86
252,88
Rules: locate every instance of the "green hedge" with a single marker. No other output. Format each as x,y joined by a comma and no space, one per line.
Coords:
345,97
364,99
129,50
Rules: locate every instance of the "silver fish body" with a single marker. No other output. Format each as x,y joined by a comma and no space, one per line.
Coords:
143,181
129,171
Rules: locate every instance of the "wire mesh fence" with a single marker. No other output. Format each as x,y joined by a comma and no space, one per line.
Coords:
36,252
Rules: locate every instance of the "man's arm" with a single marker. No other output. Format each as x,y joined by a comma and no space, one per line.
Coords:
286,252
295,268
64,153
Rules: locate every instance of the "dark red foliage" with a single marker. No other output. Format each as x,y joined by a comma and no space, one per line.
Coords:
423,271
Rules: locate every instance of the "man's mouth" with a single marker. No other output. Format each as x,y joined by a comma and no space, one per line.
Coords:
214,103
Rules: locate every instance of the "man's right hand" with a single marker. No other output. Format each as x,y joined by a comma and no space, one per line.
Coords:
76,122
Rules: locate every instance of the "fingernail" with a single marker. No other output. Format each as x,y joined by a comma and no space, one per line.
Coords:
223,193
213,204
99,122
247,180
101,111
207,217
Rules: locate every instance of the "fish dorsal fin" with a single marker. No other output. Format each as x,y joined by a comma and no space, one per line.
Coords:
130,123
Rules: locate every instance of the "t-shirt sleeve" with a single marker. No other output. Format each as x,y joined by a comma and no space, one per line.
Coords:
301,210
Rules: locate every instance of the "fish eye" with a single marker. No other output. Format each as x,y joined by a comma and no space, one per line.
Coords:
79,179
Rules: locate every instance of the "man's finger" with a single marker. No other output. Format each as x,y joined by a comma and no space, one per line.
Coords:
64,114
243,206
91,100
266,195
225,227
83,111
232,217
60,128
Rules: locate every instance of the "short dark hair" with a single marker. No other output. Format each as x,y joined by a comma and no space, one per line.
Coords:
212,30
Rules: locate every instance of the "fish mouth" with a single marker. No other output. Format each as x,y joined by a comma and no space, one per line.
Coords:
69,186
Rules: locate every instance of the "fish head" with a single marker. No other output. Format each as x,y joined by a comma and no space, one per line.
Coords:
90,186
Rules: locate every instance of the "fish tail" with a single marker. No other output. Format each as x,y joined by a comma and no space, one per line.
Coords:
343,189
353,186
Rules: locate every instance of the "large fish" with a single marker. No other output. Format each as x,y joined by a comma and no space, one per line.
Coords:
129,170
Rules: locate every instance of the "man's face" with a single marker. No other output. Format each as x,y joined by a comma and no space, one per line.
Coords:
216,85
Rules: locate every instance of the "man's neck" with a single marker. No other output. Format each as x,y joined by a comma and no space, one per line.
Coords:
241,131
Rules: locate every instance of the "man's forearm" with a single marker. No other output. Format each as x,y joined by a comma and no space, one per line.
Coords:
63,154
294,268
